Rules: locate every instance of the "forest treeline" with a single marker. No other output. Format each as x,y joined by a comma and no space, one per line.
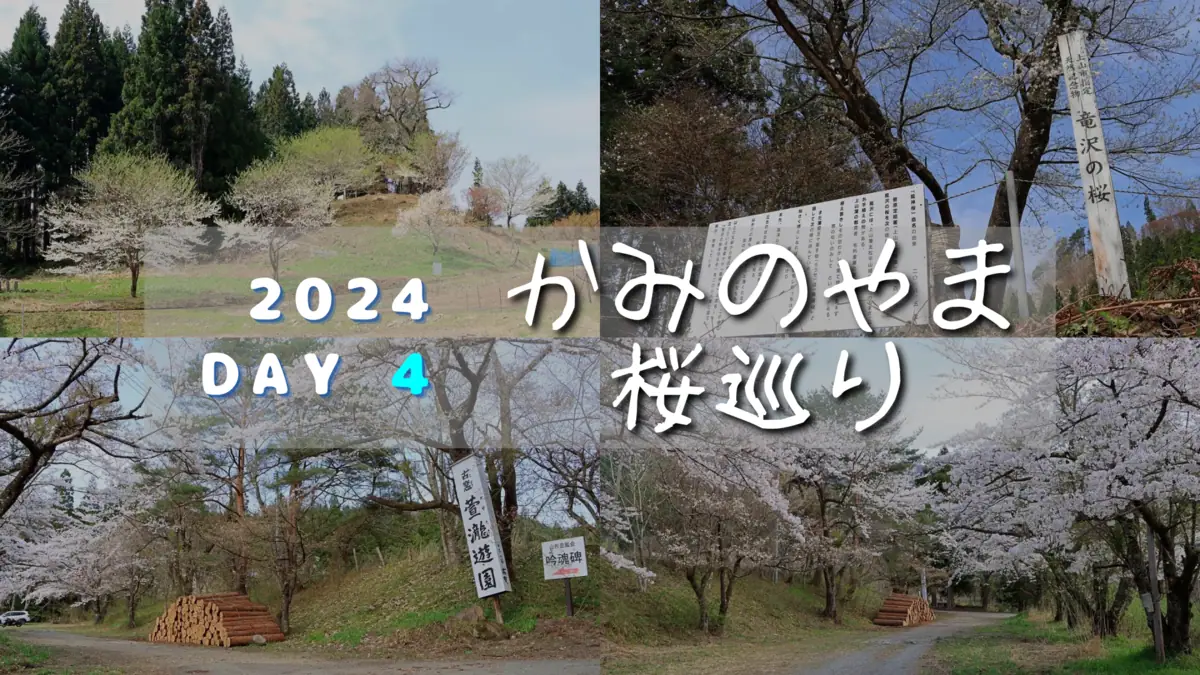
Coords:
177,91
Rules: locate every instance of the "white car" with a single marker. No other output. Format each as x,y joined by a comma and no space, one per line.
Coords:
14,618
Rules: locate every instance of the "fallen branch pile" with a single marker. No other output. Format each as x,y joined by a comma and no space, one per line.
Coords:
1168,306
218,620
903,610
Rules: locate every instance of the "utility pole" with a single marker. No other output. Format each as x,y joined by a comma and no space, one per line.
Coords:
1018,257
1155,608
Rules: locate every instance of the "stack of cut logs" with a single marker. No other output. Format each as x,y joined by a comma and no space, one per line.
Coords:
904,610
219,620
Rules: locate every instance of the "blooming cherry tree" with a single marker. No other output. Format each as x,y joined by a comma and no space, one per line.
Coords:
131,211
712,529
61,396
1099,448
852,488
516,181
433,219
282,202
99,549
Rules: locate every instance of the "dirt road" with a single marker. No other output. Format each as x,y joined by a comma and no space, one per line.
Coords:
899,653
143,658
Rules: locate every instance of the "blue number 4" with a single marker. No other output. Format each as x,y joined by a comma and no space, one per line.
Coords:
411,375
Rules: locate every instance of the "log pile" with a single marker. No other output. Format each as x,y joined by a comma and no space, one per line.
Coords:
218,620
903,610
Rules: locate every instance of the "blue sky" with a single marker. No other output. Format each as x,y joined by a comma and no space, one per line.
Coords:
525,72
948,72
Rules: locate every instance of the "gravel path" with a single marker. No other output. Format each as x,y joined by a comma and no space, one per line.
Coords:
901,652
162,659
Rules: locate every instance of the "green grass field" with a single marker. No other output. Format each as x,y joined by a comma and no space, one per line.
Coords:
468,297
1025,645
17,657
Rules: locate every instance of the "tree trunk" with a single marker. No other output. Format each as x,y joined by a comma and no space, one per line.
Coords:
135,270
133,603
285,608
699,584
507,504
1177,623
828,576
1108,614
440,491
101,606
1135,561
199,136
496,480
181,562
45,228
241,561
1180,577
1033,137
726,580
1072,614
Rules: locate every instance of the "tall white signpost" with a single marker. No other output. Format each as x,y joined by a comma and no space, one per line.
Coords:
1098,194
483,537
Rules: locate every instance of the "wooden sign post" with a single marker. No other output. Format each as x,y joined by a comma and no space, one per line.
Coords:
1098,194
564,559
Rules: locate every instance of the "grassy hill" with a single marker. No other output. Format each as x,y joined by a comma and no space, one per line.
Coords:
667,613
773,627
371,210
478,265
403,606
400,608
